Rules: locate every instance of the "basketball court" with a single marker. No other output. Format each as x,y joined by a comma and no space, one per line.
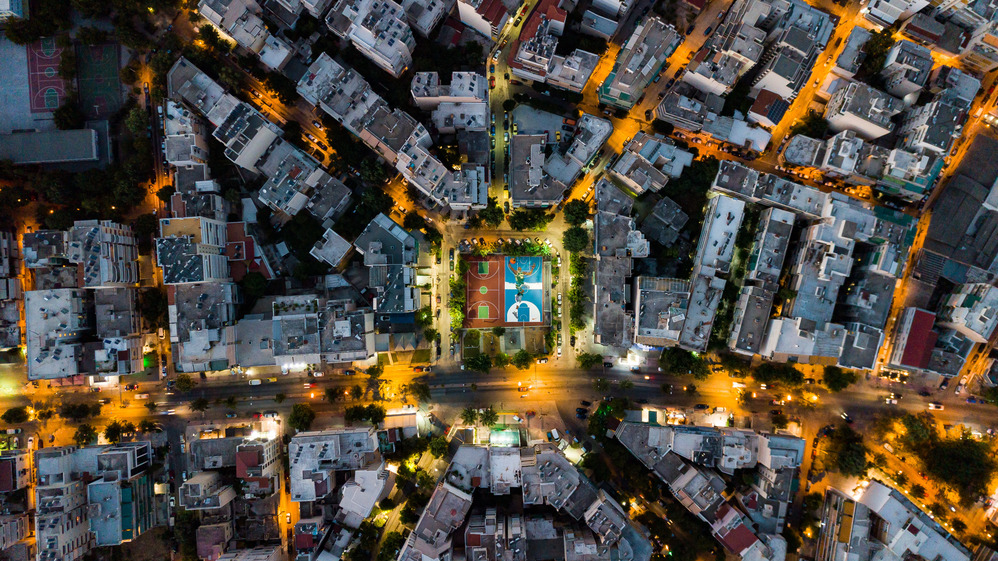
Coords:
523,289
46,88
100,86
484,291
504,291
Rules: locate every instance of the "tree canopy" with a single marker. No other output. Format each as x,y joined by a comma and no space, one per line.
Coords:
838,379
576,212
522,359
681,362
85,434
15,416
301,417
848,451
479,363
575,239
589,360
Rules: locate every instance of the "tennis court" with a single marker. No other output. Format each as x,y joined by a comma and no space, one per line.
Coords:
46,88
100,87
484,292
523,289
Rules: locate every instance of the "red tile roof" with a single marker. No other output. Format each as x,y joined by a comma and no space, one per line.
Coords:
246,459
492,11
738,539
920,341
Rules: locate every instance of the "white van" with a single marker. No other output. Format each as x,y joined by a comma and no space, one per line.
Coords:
554,433
255,382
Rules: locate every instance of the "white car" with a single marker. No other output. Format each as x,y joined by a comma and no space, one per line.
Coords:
934,406
559,351
559,298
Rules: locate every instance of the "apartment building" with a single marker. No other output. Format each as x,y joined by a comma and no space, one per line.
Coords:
378,29
862,109
639,61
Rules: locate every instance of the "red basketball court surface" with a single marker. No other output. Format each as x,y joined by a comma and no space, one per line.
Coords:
46,88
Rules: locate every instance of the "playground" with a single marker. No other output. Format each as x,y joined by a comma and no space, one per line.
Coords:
100,86
46,88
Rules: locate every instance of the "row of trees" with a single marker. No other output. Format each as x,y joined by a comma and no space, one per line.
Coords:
484,363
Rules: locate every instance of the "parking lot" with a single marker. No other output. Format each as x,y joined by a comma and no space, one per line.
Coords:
538,122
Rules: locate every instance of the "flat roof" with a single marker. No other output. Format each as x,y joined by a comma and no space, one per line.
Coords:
50,147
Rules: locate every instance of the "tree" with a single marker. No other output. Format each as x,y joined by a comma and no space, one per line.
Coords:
356,392
690,389
492,214
232,78
413,221
153,305
15,416
438,446
664,128
901,479
875,49
408,515
812,125
769,372
137,120
501,360
576,212
479,363
780,421
375,413
965,464
420,391
333,394
469,416
589,360
147,426
522,359
498,331
184,383
529,219
838,379
200,405
508,105
77,411
254,286
848,451
959,525
282,86
151,406
626,385
680,362
575,239
279,398
489,417
85,434
301,417
165,192
68,116
293,132
113,431
917,491
600,385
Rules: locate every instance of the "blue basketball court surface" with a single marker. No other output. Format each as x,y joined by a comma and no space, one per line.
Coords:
523,289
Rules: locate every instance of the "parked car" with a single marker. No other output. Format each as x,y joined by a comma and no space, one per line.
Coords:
935,406
701,406
270,414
